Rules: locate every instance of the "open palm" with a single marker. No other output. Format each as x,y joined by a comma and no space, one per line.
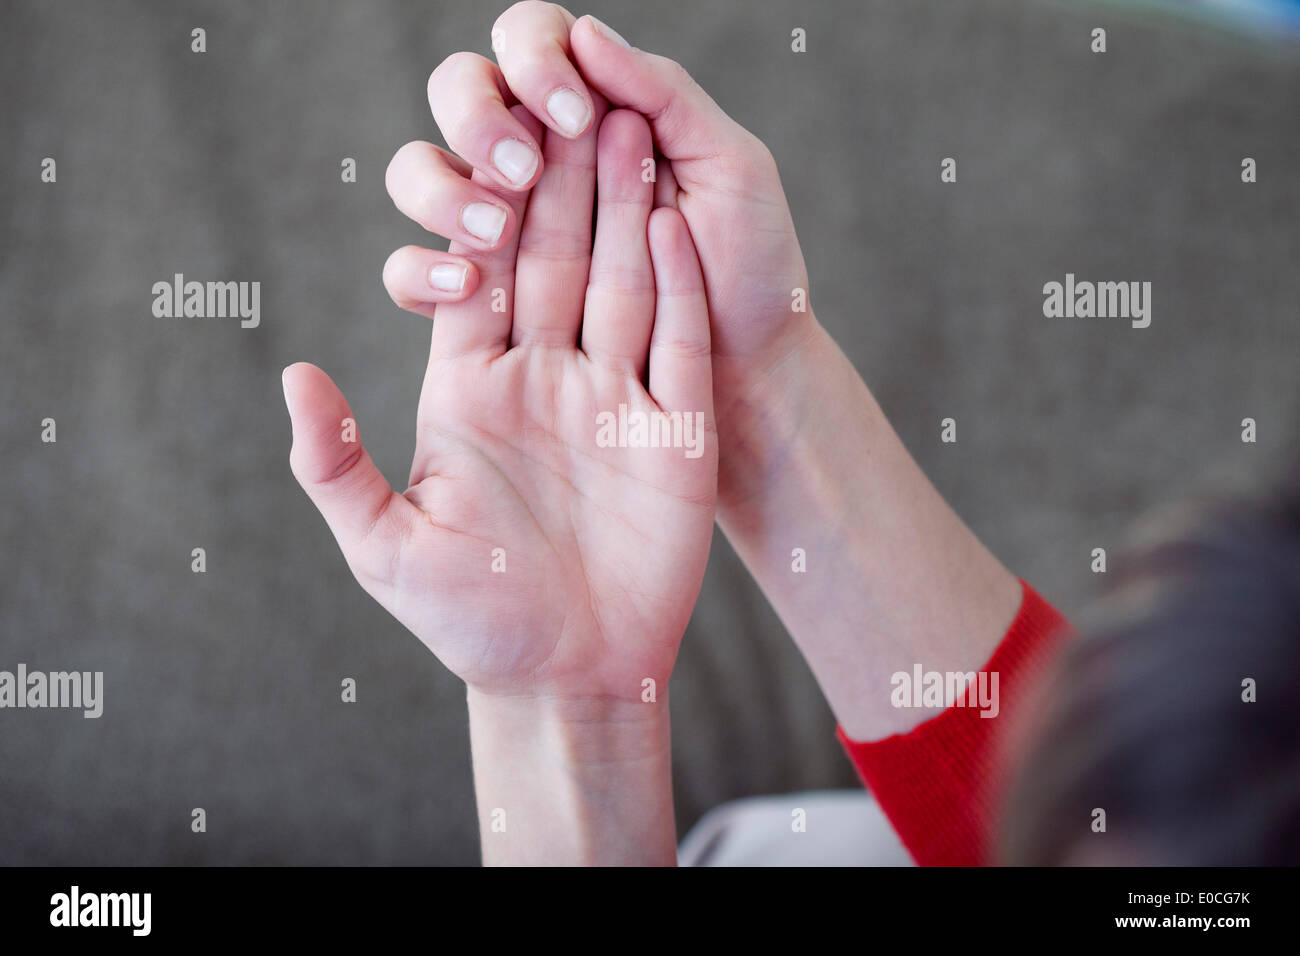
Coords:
541,547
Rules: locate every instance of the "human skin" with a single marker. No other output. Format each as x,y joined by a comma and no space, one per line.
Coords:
604,548
808,459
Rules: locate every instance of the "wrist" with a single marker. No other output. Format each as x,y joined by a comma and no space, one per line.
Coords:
580,731
572,780
868,567
768,411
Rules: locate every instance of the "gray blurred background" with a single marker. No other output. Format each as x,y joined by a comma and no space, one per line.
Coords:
222,689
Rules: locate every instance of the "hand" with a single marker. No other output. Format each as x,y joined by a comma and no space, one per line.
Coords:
808,459
599,551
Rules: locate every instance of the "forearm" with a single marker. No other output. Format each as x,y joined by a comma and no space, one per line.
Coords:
572,782
893,577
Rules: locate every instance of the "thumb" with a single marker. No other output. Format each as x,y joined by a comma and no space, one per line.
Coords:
355,499
687,123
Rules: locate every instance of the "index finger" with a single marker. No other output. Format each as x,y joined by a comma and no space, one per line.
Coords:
531,43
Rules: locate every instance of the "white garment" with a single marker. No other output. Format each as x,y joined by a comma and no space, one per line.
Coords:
839,828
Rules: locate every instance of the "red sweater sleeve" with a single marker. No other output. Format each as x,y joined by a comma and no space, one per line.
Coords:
937,782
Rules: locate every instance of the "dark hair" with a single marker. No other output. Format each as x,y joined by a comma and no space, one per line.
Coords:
1146,716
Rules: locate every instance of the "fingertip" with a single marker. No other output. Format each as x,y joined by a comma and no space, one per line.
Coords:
472,277
488,224
627,126
665,222
392,266
517,159
315,407
516,163
469,282
451,280
284,386
532,44
571,111
294,380
624,153
306,389
298,368
672,251
417,279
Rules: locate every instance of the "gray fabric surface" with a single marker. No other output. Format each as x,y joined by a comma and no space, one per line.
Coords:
222,689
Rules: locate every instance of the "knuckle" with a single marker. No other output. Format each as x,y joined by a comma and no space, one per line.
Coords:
673,72
759,155
523,10
393,268
426,206
750,167
518,9
527,64
453,66
402,158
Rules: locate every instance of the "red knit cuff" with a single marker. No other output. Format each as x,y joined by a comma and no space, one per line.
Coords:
937,782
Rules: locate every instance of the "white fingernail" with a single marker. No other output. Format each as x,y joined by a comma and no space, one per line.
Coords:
569,110
484,220
446,277
515,161
609,32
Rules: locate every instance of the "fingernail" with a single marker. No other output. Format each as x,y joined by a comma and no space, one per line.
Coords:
483,220
446,277
609,32
514,160
569,110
